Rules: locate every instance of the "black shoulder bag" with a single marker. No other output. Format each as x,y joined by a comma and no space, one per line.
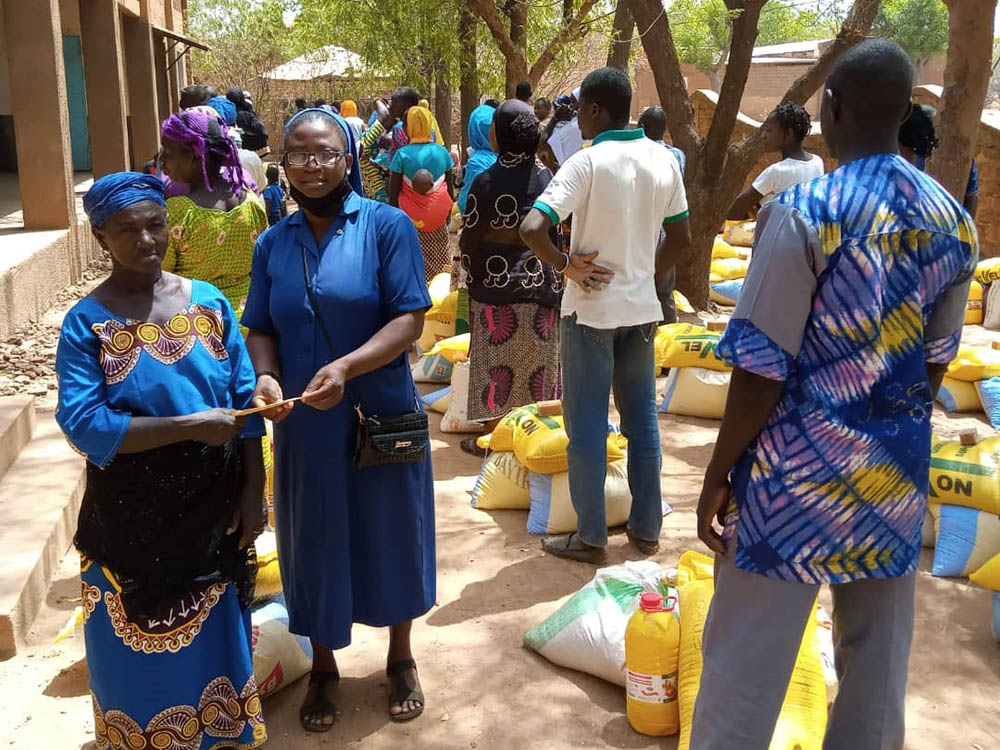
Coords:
379,440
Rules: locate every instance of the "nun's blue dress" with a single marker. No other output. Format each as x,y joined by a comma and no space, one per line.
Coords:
356,545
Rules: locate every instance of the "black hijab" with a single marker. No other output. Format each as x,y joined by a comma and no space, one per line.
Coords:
517,128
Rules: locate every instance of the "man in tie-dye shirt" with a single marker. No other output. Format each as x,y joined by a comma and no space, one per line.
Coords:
852,308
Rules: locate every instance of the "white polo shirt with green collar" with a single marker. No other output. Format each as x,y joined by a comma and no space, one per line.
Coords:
620,191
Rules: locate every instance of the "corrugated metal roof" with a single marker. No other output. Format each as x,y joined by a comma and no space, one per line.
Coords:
325,62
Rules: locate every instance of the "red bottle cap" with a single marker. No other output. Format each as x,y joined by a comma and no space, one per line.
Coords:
651,603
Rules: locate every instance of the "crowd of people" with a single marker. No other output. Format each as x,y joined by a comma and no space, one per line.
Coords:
221,306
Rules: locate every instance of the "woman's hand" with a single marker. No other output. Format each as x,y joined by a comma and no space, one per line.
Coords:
249,515
326,389
588,275
217,426
269,391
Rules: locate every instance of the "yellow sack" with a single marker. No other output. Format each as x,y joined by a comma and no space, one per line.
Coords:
540,443
688,345
957,396
660,344
695,598
268,582
988,271
974,307
682,304
552,511
436,330
988,575
739,233
483,441
729,268
696,392
802,721
454,349
440,290
975,363
503,484
722,250
966,475
694,566
502,438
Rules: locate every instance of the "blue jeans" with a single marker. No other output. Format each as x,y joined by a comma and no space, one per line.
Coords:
595,363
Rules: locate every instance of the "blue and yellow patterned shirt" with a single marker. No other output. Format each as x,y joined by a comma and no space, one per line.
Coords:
858,279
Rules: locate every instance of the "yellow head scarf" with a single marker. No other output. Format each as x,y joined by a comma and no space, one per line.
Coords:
348,108
419,125
424,103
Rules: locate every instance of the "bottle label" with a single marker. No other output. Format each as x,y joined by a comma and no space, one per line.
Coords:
651,688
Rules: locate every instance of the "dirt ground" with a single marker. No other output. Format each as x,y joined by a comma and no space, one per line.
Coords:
483,689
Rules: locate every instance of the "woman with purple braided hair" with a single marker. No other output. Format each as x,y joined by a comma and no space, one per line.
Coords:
212,229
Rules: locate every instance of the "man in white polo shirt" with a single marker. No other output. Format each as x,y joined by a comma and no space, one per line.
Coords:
620,191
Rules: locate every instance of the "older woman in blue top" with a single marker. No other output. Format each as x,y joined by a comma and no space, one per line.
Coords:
151,366
356,545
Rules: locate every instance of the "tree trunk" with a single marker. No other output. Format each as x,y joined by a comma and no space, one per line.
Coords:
621,37
517,11
442,102
468,68
966,78
711,189
567,14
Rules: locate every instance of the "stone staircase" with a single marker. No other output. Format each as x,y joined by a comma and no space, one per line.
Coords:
41,485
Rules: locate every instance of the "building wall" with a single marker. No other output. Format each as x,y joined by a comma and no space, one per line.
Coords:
766,84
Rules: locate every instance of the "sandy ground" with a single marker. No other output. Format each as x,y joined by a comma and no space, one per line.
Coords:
483,689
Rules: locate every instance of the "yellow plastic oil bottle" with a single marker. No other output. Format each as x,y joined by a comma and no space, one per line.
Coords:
652,640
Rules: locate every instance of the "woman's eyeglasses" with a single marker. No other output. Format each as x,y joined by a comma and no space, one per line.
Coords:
323,158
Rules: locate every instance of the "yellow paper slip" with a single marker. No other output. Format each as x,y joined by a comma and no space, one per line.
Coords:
254,410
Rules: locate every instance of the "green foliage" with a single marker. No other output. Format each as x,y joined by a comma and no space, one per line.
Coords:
701,29
247,39
919,26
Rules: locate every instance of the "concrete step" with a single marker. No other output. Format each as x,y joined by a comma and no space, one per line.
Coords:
40,498
17,423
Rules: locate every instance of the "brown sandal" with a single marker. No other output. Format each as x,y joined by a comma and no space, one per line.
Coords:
319,704
404,685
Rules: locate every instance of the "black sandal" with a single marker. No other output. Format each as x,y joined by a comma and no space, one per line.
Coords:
471,446
319,704
404,687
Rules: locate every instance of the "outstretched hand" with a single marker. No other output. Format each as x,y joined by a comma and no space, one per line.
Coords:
326,389
588,275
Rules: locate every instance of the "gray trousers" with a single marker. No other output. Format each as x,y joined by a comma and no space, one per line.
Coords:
750,643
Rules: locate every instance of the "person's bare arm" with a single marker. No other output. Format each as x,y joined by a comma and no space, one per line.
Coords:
212,427
395,186
972,204
675,244
935,374
249,515
751,402
326,389
449,179
580,268
745,202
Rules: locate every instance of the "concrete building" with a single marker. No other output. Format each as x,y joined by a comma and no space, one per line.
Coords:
84,85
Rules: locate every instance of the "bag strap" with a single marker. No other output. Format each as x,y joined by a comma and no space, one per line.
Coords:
329,339
326,332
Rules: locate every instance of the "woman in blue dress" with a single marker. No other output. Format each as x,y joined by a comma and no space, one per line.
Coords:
356,545
151,366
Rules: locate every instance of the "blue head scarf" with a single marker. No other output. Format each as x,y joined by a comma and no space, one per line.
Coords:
119,190
354,176
482,158
225,108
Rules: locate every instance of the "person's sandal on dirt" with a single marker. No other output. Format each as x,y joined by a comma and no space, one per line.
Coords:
471,446
644,546
318,713
404,687
571,547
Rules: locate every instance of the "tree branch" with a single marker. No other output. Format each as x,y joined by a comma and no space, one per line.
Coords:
855,29
487,10
566,33
742,40
658,43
